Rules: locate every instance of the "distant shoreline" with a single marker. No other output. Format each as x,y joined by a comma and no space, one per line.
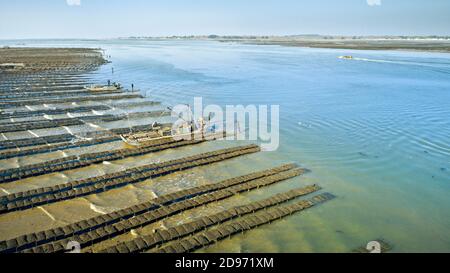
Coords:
433,44
362,45
406,43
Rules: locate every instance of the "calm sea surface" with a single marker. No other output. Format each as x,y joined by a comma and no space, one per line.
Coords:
374,131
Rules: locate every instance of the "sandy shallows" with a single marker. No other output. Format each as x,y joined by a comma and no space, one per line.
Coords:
41,59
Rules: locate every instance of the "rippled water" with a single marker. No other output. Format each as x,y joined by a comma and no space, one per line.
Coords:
373,130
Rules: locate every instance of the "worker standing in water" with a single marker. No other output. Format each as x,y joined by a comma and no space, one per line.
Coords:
132,87
112,70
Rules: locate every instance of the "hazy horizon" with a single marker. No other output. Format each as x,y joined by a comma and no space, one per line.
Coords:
206,35
99,19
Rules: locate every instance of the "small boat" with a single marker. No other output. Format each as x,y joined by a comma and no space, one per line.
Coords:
348,57
138,139
102,88
11,66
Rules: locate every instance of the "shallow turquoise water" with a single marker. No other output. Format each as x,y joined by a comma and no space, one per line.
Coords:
374,131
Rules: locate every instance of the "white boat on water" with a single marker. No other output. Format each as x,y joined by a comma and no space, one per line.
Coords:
348,57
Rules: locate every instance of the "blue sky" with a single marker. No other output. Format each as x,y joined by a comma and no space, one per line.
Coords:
120,18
